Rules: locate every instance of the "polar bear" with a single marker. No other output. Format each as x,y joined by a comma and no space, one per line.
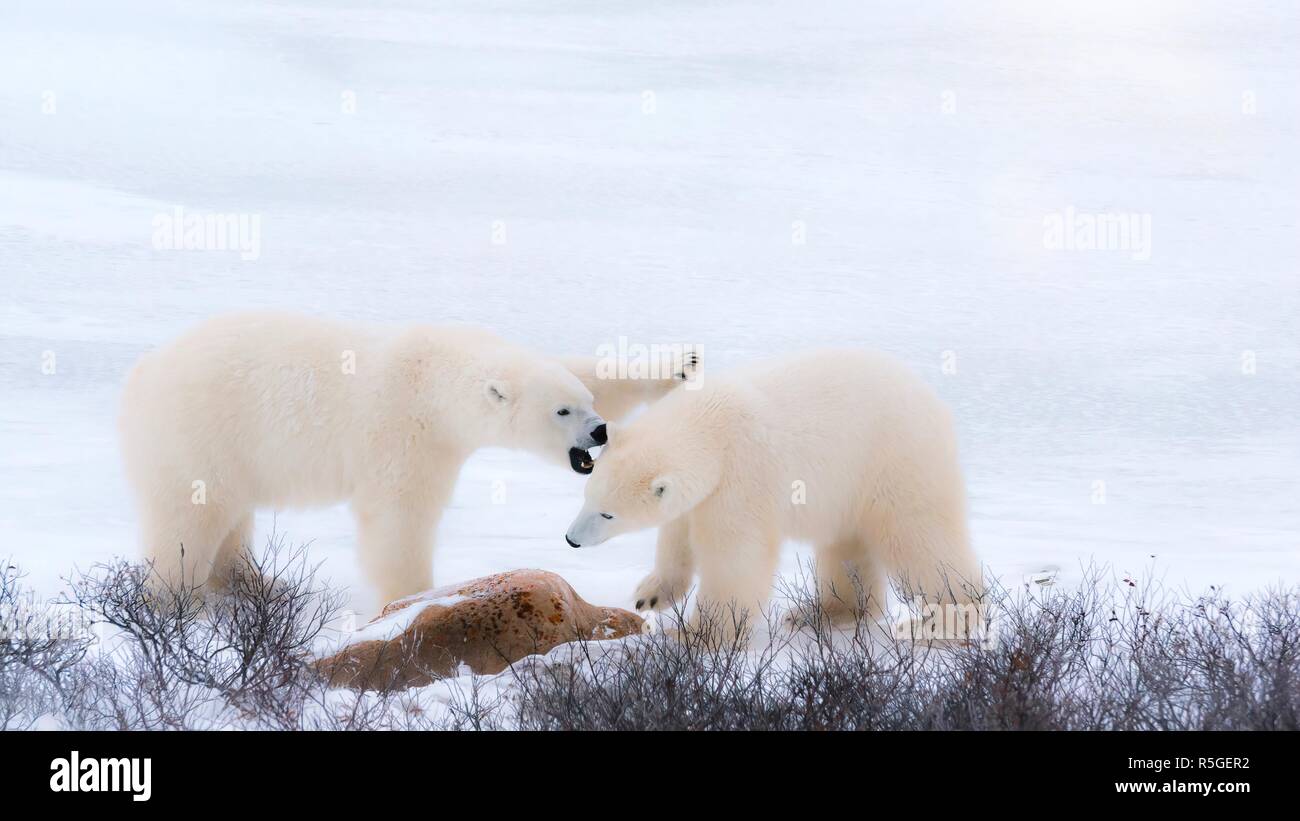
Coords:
279,410
844,448
616,396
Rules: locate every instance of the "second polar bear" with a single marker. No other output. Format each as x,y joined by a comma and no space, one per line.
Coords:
844,448
280,410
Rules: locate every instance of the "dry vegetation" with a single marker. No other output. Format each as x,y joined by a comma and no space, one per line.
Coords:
1104,655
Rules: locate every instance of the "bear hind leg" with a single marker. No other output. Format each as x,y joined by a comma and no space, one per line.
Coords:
931,559
850,584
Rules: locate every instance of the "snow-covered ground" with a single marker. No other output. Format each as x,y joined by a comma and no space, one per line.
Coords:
749,176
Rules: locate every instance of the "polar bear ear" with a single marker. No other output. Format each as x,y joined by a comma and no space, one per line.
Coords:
497,391
661,487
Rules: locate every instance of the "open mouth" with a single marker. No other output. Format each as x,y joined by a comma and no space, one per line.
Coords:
580,460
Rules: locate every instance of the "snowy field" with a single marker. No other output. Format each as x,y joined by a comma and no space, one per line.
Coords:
752,177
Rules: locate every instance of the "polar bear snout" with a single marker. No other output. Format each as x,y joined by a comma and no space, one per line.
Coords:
586,531
594,434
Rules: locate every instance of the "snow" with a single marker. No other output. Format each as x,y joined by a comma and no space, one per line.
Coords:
572,172
396,623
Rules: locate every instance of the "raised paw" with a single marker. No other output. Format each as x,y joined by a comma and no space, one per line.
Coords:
690,364
654,593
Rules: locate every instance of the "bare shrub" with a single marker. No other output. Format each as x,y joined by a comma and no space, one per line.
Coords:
178,658
1106,654
40,648
1093,657
703,676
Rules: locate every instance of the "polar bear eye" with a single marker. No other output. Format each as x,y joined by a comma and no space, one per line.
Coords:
606,516
562,412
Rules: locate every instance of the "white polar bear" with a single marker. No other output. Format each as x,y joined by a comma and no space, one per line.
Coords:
843,448
617,396
279,410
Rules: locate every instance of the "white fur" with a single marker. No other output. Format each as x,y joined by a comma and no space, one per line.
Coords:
279,410
719,470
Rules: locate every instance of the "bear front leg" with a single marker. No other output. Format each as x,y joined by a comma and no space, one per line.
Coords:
396,549
674,566
233,556
181,542
736,571
397,511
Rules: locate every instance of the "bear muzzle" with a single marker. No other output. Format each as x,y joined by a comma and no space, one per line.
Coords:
587,530
580,458
581,461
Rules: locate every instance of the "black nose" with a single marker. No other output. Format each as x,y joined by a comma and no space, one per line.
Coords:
600,435
571,542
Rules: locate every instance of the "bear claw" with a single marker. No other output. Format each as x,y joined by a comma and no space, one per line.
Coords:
654,589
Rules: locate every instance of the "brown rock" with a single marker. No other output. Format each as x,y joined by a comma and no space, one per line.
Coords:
485,624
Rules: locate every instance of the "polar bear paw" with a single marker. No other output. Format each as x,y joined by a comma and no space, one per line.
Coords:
657,593
834,614
689,366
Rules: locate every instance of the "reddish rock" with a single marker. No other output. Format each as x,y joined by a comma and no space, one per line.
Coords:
485,624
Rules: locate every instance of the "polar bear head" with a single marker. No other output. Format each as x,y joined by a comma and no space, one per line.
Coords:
644,480
545,409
